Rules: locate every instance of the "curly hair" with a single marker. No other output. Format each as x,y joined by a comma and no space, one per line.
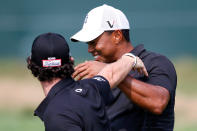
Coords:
48,73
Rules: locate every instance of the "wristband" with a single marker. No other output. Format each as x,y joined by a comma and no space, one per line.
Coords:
132,55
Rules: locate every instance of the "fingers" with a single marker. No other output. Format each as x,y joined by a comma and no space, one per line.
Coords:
80,65
79,69
141,67
84,70
82,75
145,71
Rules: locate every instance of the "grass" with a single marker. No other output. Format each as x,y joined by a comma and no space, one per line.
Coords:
188,127
19,121
187,75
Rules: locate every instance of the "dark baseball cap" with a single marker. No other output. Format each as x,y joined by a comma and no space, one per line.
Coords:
50,50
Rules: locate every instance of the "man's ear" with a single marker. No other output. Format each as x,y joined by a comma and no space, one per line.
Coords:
72,59
117,36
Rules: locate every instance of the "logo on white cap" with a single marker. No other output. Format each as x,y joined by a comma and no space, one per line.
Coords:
100,19
110,25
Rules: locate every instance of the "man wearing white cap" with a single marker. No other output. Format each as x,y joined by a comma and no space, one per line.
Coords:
149,104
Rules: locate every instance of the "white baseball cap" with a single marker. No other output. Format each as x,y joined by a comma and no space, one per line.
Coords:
98,20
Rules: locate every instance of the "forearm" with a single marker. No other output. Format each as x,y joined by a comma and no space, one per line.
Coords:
117,71
147,96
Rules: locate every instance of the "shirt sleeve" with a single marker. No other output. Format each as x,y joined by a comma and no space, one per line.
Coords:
162,73
103,87
66,121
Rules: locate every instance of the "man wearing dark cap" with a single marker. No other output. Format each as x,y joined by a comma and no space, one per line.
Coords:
74,105
148,102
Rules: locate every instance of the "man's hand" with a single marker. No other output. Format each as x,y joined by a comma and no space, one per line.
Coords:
87,69
140,67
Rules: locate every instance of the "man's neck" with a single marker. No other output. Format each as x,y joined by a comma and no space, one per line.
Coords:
125,47
47,85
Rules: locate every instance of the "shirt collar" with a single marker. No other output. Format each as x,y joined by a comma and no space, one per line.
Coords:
138,50
64,83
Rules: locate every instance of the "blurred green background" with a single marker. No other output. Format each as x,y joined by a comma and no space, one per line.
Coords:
168,27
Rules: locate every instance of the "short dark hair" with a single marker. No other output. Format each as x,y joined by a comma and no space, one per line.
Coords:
125,33
48,73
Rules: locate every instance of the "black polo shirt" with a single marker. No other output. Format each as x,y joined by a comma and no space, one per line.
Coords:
76,105
162,73
126,116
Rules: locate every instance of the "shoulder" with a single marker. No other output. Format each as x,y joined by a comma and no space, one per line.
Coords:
94,80
154,61
95,83
153,56
161,71
98,85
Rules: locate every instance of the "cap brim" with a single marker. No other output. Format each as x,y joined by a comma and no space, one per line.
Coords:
86,35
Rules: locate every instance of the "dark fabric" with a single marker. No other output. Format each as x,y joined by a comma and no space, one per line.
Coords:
162,73
126,116
123,114
76,106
